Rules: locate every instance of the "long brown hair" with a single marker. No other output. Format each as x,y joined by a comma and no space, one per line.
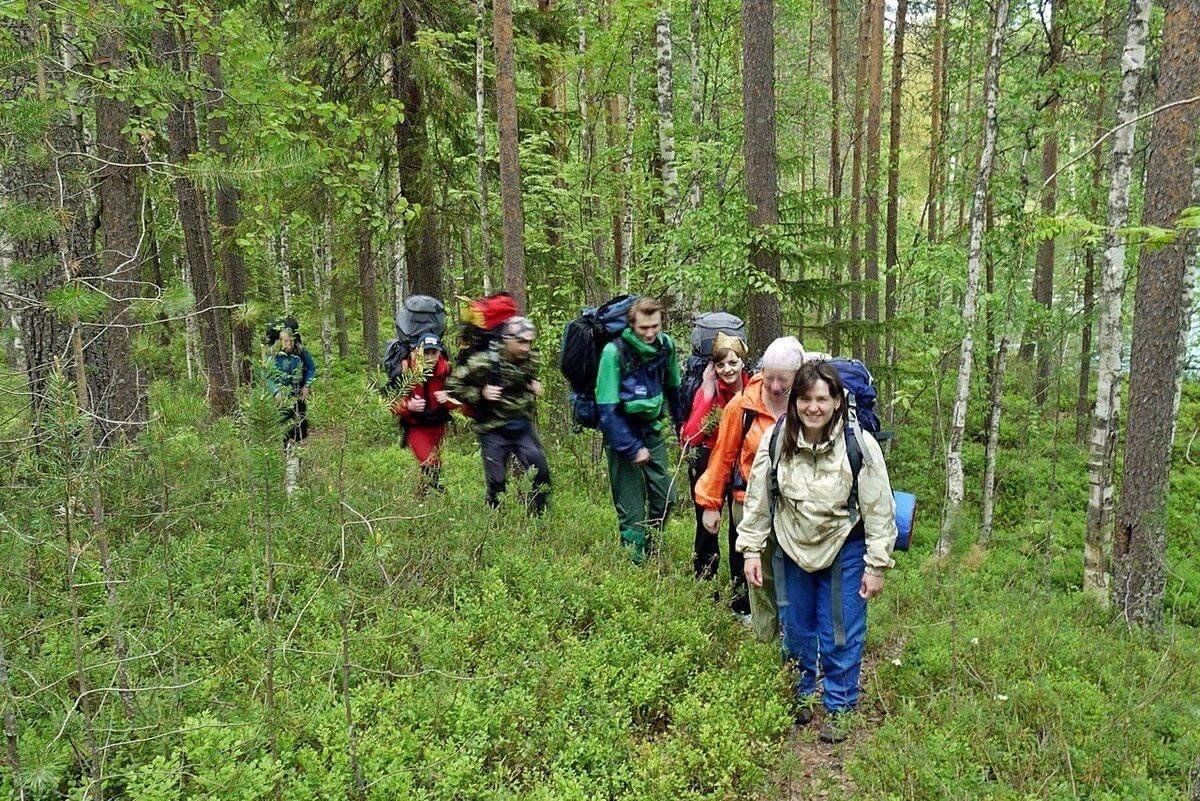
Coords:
806,378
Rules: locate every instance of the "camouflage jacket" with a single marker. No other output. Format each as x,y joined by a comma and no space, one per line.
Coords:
517,401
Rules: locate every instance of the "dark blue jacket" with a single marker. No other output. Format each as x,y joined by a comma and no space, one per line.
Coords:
291,371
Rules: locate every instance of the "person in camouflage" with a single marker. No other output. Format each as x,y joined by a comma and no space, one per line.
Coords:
501,388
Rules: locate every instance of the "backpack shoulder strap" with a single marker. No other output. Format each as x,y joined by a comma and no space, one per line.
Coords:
855,456
773,452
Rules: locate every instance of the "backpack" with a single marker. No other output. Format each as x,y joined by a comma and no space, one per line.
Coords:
480,323
579,356
418,315
704,331
906,503
271,334
860,395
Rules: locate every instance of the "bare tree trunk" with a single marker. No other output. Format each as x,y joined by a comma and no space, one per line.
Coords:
1140,537
1089,287
697,101
513,218
856,173
181,136
891,301
835,166
123,398
485,209
762,179
1103,440
665,94
626,259
874,124
9,720
228,219
1043,284
322,271
285,264
954,465
369,293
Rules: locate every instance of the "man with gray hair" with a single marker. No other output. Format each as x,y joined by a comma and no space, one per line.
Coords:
500,385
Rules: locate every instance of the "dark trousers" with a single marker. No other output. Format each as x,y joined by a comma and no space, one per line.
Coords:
297,420
707,554
520,443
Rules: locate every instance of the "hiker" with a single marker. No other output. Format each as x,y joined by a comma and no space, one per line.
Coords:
744,420
290,375
500,387
637,385
424,412
834,526
723,378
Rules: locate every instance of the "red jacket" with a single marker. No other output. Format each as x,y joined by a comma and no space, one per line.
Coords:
693,430
435,413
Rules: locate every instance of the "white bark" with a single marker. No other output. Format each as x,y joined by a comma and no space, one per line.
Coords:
993,442
627,174
958,422
1097,548
322,257
666,112
697,100
285,265
485,212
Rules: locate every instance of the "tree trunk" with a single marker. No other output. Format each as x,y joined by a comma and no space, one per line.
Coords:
863,53
1089,285
9,720
665,95
181,137
285,265
626,259
513,219
485,209
835,167
697,101
1043,282
122,403
322,271
958,422
369,293
874,124
414,173
228,219
932,218
758,93
891,301
1102,444
1159,313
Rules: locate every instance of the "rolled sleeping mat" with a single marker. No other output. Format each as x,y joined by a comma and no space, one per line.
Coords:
906,515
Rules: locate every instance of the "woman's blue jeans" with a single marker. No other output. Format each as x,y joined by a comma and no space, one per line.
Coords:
823,622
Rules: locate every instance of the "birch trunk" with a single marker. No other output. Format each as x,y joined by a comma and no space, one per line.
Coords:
891,301
1097,548
874,134
285,265
694,196
958,422
665,95
1159,314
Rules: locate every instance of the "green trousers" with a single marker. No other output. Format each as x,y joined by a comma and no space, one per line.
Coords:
764,611
641,494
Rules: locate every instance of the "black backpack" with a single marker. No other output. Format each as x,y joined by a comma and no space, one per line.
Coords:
704,331
274,327
419,315
579,357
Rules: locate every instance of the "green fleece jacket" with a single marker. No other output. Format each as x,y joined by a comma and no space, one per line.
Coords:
636,385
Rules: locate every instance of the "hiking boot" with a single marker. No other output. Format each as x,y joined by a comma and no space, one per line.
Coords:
802,710
837,727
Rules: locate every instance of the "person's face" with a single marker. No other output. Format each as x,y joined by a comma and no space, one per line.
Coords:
431,355
647,326
518,348
286,342
816,407
729,369
778,383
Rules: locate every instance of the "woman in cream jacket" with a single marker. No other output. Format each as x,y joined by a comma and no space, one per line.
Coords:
834,532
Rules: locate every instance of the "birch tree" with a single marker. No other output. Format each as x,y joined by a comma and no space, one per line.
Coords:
1102,443
665,96
1159,317
958,423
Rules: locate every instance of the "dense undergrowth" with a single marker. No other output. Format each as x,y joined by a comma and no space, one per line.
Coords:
487,656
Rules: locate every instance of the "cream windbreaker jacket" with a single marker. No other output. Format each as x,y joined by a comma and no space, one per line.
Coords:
812,520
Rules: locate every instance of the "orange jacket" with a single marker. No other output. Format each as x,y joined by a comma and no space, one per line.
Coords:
732,447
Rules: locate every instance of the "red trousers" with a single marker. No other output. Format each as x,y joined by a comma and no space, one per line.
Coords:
424,441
